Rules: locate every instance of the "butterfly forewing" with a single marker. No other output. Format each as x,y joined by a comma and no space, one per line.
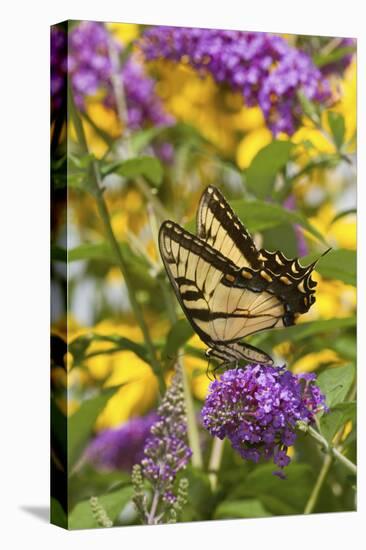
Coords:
221,228
219,313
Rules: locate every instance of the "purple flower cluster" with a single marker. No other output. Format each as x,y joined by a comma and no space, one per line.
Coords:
263,67
257,410
89,67
58,69
166,451
122,447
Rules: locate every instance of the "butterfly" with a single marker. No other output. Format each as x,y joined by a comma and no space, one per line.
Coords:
227,288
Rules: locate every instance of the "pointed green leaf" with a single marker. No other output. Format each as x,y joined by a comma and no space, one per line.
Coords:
337,127
248,508
81,423
333,421
148,167
263,169
178,335
259,215
335,383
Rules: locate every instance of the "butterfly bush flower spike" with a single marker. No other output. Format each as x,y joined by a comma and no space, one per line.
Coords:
263,67
89,67
166,453
257,409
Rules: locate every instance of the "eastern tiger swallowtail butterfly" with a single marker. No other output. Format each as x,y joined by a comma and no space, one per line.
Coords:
227,288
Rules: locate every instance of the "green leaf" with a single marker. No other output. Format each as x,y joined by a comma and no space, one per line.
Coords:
81,517
142,138
178,335
299,332
336,264
321,59
81,423
335,383
79,347
337,127
92,251
277,506
284,234
137,266
333,421
293,492
57,514
345,346
308,107
148,167
200,498
260,215
263,169
248,508
339,264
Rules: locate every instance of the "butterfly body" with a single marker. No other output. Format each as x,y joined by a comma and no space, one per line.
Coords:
228,288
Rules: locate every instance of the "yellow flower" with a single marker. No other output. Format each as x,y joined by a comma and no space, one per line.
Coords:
346,90
251,144
340,234
312,361
136,397
196,369
347,104
197,100
124,32
106,119
334,299
140,389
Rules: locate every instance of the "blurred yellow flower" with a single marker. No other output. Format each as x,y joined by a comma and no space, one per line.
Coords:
312,361
124,32
346,90
136,397
334,299
347,104
197,100
340,234
106,119
251,144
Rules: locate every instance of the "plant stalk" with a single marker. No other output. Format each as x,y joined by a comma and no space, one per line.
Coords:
104,214
215,461
329,449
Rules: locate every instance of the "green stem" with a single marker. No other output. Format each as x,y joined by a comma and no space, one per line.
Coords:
310,505
193,434
215,461
328,448
104,214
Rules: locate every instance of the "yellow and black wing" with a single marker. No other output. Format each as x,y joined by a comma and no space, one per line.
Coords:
220,227
228,288
221,313
285,278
